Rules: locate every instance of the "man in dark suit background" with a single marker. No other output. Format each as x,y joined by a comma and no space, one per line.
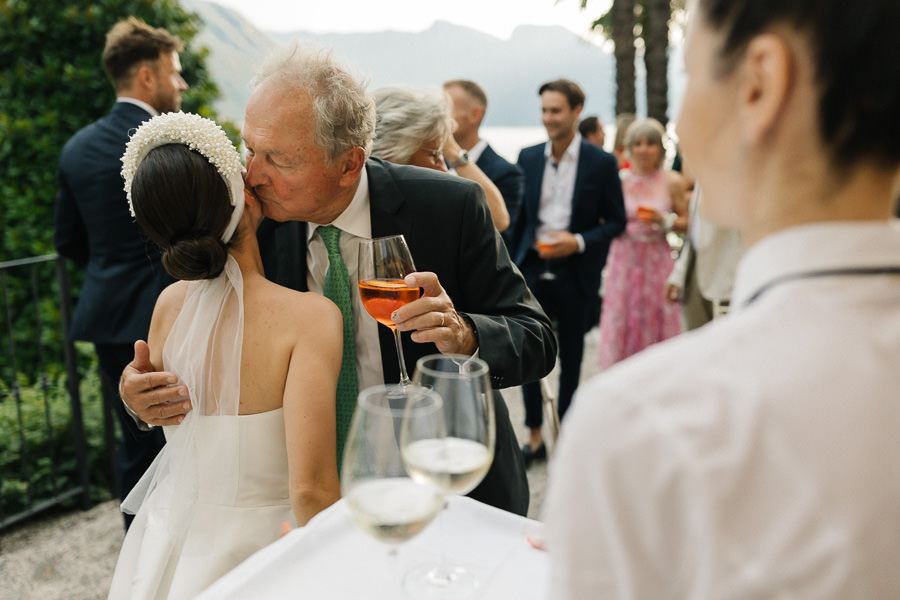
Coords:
307,162
573,208
469,107
123,275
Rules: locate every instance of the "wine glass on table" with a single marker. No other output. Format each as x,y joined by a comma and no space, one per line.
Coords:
383,263
383,500
459,461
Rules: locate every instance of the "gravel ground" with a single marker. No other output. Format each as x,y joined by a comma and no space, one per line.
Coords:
71,555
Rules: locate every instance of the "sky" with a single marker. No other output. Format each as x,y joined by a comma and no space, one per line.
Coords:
496,17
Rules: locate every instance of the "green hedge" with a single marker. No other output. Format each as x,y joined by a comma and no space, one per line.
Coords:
41,447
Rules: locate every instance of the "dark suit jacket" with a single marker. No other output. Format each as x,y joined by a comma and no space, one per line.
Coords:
448,227
510,180
94,228
598,209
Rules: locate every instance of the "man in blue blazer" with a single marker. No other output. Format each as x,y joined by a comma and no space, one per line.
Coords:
469,107
573,209
123,275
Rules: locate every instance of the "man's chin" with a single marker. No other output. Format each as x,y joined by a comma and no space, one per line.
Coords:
278,218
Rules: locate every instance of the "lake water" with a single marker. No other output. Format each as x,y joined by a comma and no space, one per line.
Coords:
507,141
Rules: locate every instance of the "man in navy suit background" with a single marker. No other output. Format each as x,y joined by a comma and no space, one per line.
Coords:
574,208
123,274
469,107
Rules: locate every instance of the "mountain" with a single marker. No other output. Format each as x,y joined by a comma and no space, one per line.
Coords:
509,70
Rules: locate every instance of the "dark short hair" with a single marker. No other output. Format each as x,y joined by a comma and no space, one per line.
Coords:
471,88
851,45
183,204
588,125
131,42
571,90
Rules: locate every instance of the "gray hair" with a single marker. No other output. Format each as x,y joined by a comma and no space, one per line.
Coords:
408,118
647,129
344,110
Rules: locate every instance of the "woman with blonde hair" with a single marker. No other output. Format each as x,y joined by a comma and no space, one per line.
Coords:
635,313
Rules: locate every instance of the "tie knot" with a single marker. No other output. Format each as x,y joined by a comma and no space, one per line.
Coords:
331,236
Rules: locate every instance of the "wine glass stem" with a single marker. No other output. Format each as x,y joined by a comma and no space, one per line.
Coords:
404,378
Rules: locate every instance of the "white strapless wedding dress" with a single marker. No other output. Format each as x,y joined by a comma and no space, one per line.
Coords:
218,491
239,510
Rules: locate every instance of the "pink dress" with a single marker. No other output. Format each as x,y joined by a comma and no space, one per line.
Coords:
635,315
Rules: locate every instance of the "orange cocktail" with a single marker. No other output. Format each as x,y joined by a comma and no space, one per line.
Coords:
381,297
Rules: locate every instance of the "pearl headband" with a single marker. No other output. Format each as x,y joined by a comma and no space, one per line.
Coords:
197,133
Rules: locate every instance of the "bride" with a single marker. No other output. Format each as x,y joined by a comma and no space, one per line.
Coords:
260,361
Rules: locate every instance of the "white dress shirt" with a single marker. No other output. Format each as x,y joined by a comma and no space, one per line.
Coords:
355,223
477,150
756,457
558,190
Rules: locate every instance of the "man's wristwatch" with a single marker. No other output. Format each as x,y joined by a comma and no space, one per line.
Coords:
461,160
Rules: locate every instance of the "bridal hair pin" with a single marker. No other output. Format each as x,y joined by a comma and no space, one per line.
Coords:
197,133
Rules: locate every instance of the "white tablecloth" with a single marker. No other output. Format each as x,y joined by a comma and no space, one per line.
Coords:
332,558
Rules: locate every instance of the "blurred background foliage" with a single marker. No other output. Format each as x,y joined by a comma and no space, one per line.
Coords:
52,83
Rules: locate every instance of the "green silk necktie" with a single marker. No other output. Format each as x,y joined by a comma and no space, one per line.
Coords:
337,288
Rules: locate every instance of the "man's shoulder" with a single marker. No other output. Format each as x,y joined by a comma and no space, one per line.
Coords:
493,162
596,155
533,151
383,173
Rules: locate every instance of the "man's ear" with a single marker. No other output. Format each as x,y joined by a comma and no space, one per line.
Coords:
145,77
767,70
351,164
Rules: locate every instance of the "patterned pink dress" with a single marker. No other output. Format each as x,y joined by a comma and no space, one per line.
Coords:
635,315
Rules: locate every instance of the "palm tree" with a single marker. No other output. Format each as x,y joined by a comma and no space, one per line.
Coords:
656,57
624,23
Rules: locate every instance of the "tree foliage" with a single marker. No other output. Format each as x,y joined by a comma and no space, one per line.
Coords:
641,25
52,83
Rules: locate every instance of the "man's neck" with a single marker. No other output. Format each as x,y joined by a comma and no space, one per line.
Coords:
558,146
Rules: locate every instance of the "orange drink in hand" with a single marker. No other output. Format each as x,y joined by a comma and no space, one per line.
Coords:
381,297
645,214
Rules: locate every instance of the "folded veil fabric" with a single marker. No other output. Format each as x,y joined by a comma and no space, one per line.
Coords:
204,349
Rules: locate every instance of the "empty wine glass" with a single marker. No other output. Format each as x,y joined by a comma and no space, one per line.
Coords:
383,263
383,500
459,461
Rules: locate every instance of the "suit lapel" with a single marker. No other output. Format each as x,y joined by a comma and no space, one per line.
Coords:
538,162
580,175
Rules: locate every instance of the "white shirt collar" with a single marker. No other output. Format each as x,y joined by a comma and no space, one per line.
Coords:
140,103
816,247
573,150
477,150
355,218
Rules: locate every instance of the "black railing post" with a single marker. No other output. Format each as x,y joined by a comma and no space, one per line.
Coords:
72,382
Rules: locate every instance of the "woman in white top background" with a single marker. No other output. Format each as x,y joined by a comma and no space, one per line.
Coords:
758,456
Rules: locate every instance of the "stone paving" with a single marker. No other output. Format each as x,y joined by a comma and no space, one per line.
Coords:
71,556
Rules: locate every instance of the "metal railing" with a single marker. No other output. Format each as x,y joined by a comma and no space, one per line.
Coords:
29,307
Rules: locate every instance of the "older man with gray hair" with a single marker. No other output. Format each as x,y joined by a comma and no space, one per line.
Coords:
308,131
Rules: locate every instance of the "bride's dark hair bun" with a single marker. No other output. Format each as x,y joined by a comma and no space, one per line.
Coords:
195,258
182,203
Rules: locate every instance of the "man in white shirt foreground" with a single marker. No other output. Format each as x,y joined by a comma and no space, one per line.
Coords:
757,457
